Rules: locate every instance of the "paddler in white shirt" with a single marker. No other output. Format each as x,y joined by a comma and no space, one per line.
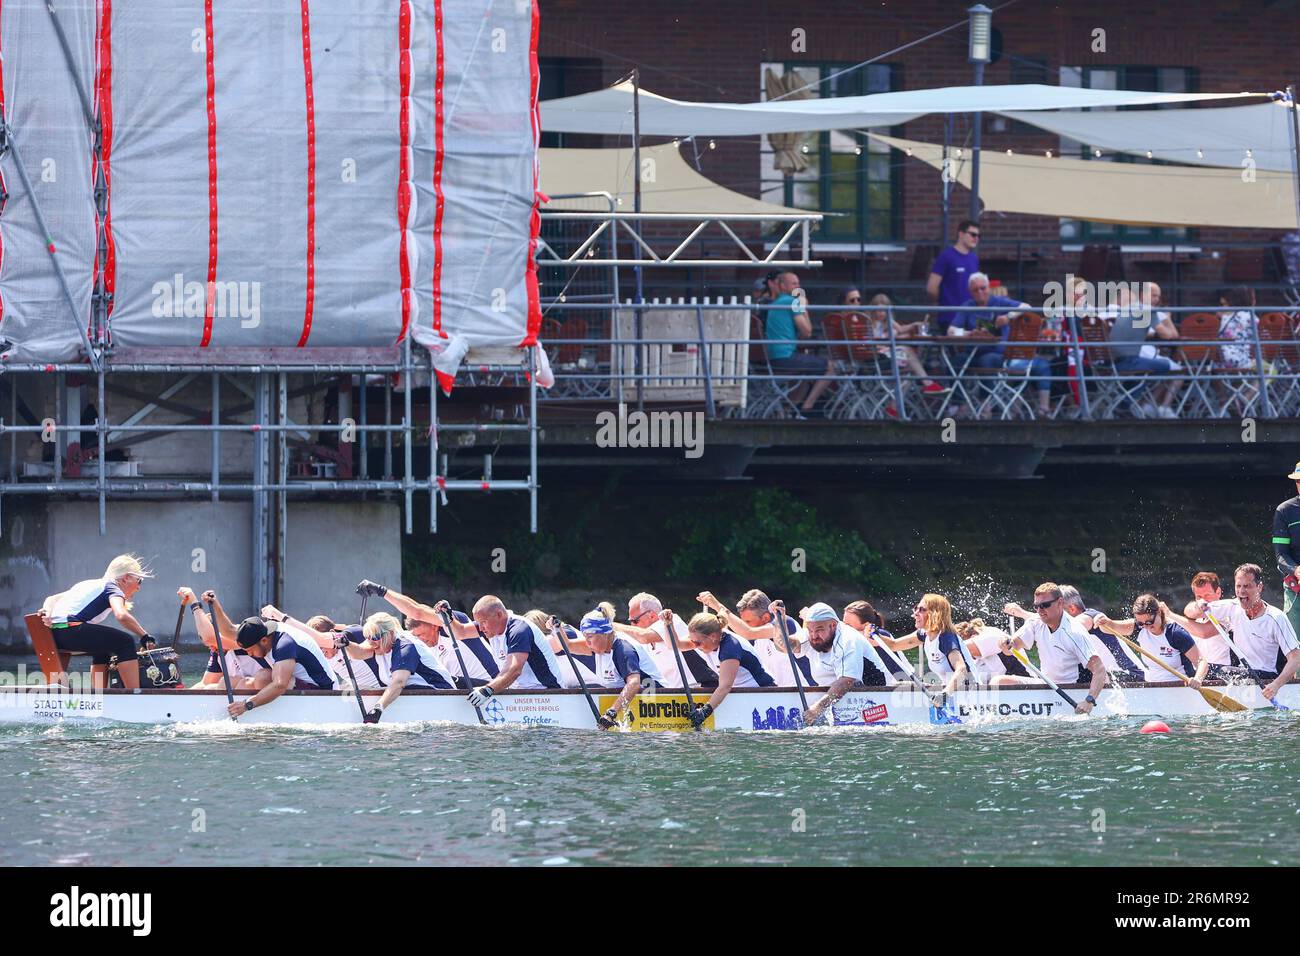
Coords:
837,655
1063,649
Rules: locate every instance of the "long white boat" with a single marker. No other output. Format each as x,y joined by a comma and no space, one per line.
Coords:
743,709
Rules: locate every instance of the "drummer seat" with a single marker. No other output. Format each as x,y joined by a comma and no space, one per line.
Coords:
54,662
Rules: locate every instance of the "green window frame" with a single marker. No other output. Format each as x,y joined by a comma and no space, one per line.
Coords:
1167,79
848,174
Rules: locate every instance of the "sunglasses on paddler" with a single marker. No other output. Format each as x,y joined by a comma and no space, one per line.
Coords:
1044,605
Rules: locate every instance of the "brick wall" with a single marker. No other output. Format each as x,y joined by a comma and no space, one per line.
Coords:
713,51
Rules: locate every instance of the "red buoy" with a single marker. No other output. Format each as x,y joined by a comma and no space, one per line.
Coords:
1155,727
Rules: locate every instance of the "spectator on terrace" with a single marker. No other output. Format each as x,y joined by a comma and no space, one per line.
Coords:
901,354
994,314
1240,326
951,272
784,322
1132,323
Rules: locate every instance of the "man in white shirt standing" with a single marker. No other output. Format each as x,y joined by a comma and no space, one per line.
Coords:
1063,649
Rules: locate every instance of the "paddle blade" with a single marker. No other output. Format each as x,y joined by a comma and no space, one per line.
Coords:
1222,702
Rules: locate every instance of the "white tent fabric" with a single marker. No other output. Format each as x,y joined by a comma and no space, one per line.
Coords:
675,186
609,111
1216,136
40,100
302,175
1131,193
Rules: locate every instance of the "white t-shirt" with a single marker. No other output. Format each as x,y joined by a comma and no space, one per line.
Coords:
1261,639
844,658
1061,652
987,664
664,658
1159,646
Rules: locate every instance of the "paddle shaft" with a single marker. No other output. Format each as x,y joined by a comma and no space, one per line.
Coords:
1049,682
789,651
681,664
564,643
1223,633
464,674
1215,700
905,665
221,656
347,663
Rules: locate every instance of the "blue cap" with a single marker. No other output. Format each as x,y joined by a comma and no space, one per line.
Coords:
595,622
821,612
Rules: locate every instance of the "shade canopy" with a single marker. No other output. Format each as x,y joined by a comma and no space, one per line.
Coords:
1130,193
1215,136
670,185
609,111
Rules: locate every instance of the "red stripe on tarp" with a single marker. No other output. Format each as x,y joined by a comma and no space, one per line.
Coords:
438,80
104,100
212,173
535,221
311,179
404,163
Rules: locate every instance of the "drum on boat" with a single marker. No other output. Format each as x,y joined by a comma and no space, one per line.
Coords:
159,667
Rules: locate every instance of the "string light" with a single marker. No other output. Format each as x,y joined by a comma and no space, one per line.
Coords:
959,153
857,150
1097,153
712,145
803,148
1148,154
1008,152
1200,154
908,151
1049,154
1250,153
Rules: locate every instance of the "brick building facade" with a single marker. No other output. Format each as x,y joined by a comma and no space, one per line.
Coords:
716,51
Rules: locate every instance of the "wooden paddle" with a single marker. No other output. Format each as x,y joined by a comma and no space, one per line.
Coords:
221,656
347,661
681,665
779,608
1220,702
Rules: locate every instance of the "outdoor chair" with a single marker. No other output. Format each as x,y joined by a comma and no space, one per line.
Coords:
1281,363
1112,391
767,397
1199,361
1007,395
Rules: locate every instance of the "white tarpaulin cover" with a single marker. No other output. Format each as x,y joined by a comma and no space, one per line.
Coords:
1215,136
1133,193
673,184
303,174
609,111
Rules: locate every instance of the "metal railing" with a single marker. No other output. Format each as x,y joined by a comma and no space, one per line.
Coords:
872,378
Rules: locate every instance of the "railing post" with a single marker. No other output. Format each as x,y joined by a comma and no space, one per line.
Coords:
898,378
1079,362
704,358
1259,369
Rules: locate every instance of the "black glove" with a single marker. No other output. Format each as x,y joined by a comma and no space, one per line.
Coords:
609,721
700,714
372,716
147,641
370,587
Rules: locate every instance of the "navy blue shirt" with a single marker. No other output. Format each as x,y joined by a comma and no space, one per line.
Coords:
987,320
732,649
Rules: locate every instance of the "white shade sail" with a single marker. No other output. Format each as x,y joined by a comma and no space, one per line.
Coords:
671,185
1216,136
1130,193
609,111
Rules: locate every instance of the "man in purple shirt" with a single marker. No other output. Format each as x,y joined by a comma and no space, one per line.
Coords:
951,272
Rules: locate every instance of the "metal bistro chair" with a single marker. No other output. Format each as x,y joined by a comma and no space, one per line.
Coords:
1199,362
1281,362
846,387
767,397
1007,393
875,396
1113,390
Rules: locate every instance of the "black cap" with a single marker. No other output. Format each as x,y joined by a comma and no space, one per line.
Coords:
251,630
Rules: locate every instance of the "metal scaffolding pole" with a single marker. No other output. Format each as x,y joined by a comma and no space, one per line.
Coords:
281,497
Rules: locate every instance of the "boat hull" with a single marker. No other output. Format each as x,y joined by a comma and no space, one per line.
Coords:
743,709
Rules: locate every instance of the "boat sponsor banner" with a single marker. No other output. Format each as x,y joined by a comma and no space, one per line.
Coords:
59,707
655,713
531,711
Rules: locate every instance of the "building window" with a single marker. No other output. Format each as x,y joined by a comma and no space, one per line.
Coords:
1159,79
568,76
843,172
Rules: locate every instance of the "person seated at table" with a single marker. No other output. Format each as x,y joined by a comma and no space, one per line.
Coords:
1130,324
785,321
899,354
993,314
1240,325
